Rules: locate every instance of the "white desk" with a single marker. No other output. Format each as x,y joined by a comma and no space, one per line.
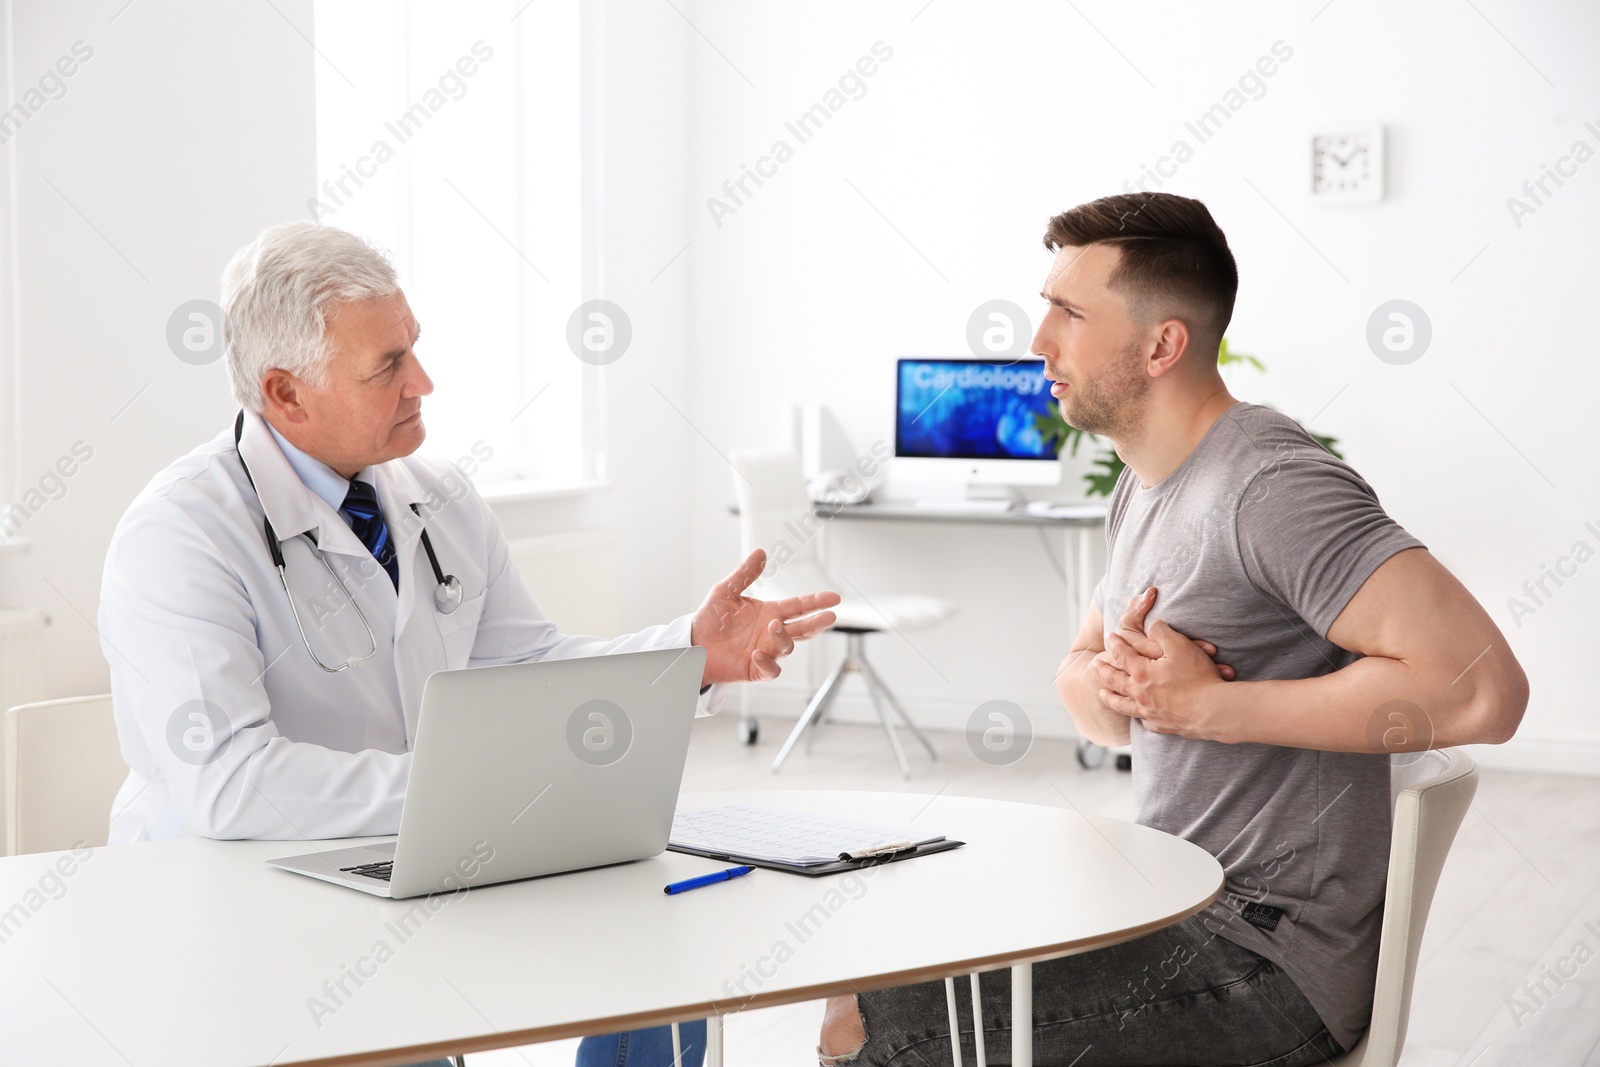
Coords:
197,954
1081,533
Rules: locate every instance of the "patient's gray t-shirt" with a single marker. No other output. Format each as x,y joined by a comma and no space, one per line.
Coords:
1256,543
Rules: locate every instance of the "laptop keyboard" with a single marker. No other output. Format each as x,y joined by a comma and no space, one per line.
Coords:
380,871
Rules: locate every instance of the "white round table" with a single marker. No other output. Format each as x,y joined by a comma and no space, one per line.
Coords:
198,954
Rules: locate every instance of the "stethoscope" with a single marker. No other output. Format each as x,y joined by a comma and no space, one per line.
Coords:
447,594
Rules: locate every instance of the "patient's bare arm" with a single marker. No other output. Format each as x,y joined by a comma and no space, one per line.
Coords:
1430,654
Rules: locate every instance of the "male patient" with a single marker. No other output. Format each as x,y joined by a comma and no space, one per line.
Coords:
1281,637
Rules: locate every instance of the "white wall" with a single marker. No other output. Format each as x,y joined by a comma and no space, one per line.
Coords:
184,134
188,130
929,195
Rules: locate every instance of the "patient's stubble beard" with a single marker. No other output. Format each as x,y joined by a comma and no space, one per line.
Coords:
1112,404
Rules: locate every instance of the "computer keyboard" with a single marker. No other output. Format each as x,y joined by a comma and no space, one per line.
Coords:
380,871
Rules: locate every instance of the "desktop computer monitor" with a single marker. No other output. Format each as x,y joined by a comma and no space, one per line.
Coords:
972,420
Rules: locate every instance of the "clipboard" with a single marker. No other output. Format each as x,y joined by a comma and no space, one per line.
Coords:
813,870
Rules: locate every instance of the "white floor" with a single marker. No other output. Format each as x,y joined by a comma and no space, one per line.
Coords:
1522,881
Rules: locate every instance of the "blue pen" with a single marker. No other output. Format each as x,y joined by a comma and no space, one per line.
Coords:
707,879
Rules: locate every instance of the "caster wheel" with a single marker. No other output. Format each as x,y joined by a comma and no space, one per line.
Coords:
749,731
1124,762
1090,755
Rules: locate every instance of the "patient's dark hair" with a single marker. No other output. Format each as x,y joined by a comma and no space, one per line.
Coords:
1175,260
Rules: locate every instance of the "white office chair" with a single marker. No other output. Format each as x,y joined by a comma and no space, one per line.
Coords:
1429,793
776,513
64,767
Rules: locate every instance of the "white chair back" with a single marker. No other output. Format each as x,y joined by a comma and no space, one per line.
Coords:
776,513
64,767
1431,793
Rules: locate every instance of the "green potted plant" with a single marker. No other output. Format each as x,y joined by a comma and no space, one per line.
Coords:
1054,429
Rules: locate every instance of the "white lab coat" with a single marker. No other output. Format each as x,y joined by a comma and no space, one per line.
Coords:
192,611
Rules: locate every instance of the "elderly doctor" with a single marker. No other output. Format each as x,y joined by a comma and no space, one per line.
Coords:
240,718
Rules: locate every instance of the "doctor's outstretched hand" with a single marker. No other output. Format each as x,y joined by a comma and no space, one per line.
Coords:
744,638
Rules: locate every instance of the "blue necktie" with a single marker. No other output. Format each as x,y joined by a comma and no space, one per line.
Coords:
361,511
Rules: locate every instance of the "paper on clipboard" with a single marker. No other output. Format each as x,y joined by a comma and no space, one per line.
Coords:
779,835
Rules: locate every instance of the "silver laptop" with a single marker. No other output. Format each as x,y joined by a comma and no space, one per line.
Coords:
532,769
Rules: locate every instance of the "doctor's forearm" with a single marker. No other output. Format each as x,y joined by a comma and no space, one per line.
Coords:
288,790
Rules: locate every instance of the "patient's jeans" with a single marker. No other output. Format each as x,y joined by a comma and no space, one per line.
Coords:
644,1048
634,1048
1175,996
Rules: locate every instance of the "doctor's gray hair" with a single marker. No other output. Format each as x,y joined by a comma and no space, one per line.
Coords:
277,292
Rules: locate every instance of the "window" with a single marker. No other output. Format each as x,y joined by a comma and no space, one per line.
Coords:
450,136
